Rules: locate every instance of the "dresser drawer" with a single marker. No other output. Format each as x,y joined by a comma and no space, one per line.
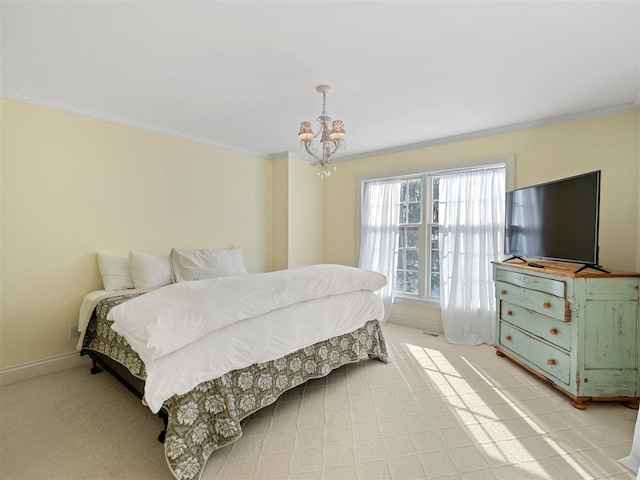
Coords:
612,289
546,285
550,360
549,305
549,329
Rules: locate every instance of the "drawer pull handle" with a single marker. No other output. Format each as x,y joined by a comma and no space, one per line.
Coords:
503,292
546,305
551,361
553,331
509,312
507,337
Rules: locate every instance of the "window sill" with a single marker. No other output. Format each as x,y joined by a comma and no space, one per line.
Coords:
418,302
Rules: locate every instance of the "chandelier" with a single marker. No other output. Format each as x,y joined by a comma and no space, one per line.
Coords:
331,139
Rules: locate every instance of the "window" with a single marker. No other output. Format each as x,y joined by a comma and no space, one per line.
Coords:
417,276
418,238
418,270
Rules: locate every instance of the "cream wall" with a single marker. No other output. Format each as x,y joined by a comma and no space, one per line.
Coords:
298,220
306,215
280,213
72,186
546,153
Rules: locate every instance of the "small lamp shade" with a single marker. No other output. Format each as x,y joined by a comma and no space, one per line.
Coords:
306,133
337,130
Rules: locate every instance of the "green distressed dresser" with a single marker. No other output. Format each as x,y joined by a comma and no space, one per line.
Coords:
580,332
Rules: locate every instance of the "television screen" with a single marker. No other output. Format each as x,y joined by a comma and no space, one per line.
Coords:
556,220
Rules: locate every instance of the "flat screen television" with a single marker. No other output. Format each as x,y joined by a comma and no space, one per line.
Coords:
556,220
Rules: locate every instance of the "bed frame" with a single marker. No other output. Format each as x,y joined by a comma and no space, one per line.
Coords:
124,376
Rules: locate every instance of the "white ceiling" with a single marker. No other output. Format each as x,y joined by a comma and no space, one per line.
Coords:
243,74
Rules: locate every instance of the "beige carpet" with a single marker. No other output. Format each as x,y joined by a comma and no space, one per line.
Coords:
436,411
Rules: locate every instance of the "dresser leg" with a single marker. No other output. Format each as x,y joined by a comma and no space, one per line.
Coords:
632,405
579,404
499,353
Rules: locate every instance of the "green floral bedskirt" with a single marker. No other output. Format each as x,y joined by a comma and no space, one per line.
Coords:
208,417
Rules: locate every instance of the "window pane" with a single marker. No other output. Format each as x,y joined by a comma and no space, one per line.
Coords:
403,213
410,201
435,263
401,237
435,285
412,259
413,237
435,196
414,190
412,282
400,259
435,238
414,213
400,281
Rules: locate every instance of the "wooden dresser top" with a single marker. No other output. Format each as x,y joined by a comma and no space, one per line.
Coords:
566,269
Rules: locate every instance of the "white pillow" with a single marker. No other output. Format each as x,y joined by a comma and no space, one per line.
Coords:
115,271
150,271
191,265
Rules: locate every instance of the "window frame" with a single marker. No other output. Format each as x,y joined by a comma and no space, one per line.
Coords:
422,299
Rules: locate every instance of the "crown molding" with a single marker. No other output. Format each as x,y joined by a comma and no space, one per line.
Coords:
601,112
65,107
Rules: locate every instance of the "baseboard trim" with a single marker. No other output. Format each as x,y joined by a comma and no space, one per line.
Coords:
30,370
419,323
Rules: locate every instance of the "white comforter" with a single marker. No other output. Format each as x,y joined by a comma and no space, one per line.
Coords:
170,318
255,340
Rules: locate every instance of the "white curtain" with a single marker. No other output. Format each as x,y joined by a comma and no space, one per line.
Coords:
632,462
472,235
380,217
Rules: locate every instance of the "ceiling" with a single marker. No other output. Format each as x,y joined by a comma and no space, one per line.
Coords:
243,74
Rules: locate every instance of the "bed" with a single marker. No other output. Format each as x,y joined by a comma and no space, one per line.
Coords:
206,354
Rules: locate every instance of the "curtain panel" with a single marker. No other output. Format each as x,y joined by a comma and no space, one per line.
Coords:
472,236
379,232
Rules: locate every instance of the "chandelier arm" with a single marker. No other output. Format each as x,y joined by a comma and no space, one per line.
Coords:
330,151
336,146
306,147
